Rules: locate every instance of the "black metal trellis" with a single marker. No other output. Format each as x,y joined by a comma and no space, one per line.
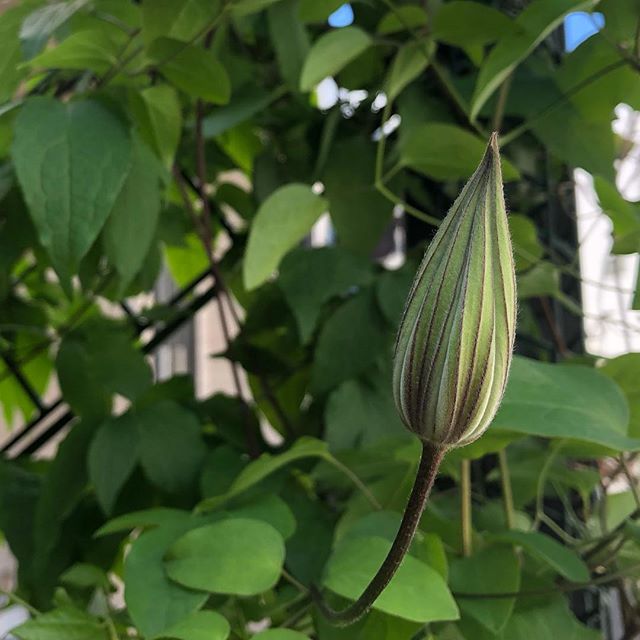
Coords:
163,330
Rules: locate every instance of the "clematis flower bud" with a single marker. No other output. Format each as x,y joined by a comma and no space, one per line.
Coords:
455,341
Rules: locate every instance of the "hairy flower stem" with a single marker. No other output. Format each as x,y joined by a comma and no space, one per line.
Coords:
432,456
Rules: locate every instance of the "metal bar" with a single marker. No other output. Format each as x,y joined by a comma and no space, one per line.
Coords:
160,336
22,381
46,435
138,324
189,287
30,426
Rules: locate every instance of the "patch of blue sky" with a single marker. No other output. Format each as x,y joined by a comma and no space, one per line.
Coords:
580,26
342,16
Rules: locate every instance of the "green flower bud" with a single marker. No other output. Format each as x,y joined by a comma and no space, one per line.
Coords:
455,342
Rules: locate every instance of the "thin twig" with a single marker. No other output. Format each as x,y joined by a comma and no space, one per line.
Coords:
542,480
203,231
295,582
610,536
561,345
378,179
356,481
498,114
12,597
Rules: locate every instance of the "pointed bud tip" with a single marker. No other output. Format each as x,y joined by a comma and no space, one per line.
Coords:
493,142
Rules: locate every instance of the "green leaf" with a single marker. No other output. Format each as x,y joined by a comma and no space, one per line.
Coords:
624,216
351,340
284,218
362,412
271,509
560,130
155,603
533,25
192,69
564,401
600,87
290,40
156,112
331,53
280,634
171,445
543,279
40,25
356,561
201,625
401,19
20,492
247,7
310,278
623,370
245,103
242,144
179,19
410,61
236,556
83,576
527,249
447,152
186,261
97,361
37,371
468,24
93,49
67,623
359,213
493,570
563,560
392,289
11,72
317,10
267,464
145,519
64,488
131,227
220,468
553,620
620,17
381,524
71,161
427,548
113,456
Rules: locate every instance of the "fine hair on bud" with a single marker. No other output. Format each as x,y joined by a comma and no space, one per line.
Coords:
454,345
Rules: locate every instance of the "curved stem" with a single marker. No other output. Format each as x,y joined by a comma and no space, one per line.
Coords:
507,493
427,471
15,599
465,507
355,480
